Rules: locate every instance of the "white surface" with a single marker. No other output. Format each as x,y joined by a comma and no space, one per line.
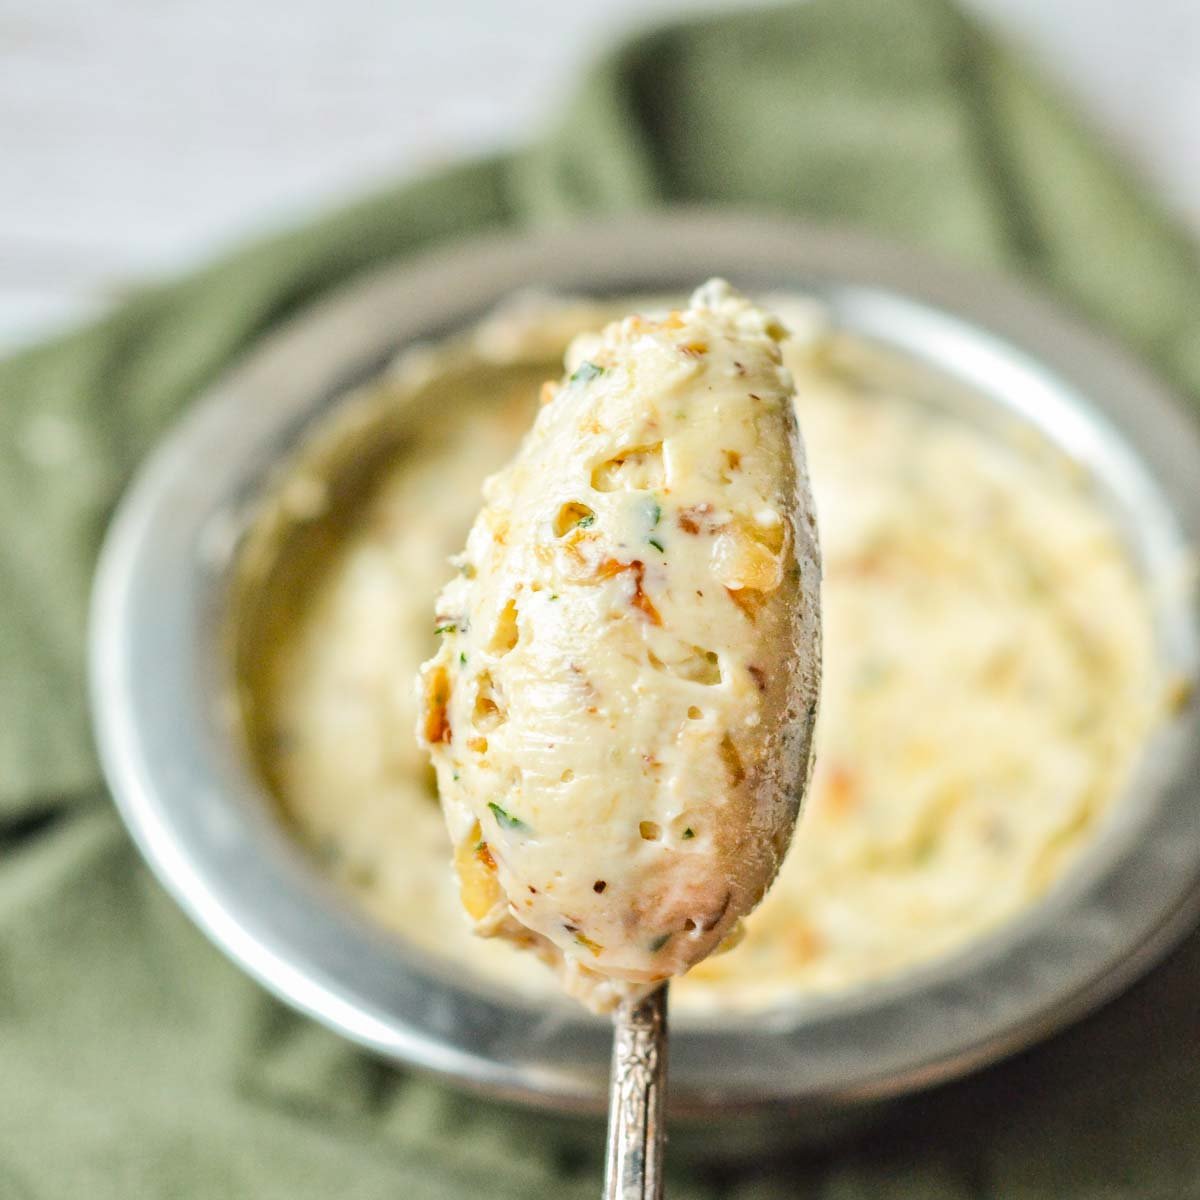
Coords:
137,136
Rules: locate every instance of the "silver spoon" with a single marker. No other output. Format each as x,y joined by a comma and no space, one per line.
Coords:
637,1100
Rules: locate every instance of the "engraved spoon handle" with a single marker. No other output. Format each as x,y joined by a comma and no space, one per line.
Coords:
637,1100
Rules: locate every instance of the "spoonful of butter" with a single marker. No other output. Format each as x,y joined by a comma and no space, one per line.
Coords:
621,709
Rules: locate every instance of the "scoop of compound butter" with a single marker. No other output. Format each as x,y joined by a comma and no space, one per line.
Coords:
621,709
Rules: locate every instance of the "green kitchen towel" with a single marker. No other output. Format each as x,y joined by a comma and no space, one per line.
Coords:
134,1061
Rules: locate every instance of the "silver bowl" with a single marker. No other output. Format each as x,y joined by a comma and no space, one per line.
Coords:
174,756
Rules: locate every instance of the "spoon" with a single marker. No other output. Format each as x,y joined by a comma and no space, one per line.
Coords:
637,1100
621,708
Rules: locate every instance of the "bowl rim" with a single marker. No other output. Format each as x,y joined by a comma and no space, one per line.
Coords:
168,746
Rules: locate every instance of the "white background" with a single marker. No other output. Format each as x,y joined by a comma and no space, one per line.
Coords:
137,136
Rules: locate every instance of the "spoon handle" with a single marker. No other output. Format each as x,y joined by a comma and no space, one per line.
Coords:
636,1100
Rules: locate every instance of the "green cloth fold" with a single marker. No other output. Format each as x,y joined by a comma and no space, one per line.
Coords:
134,1061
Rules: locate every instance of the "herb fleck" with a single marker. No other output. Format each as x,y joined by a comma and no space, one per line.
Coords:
462,658
506,819
586,372
585,521
446,629
656,544
688,834
656,515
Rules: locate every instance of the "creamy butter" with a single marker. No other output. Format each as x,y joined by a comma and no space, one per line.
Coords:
621,708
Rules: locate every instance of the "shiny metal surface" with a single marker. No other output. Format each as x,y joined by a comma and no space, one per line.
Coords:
637,1094
173,756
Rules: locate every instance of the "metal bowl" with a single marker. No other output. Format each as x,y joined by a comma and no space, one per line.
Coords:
173,755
